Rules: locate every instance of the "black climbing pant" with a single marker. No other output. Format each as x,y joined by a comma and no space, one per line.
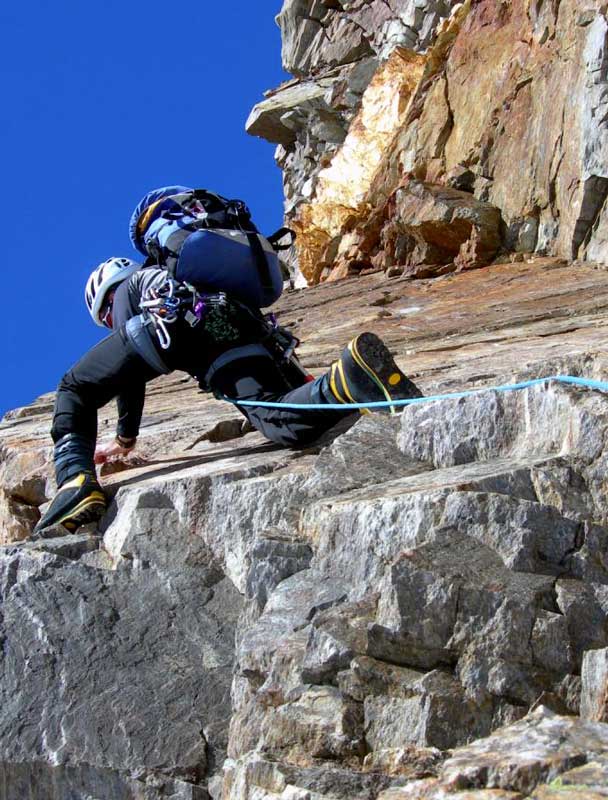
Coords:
114,368
260,378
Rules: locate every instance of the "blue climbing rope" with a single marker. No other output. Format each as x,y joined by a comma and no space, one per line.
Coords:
509,387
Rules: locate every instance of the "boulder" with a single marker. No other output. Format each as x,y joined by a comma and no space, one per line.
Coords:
433,224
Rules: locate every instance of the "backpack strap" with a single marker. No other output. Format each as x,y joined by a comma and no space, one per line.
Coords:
242,216
207,196
276,237
261,261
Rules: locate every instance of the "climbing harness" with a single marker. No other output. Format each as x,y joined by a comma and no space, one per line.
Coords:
282,343
602,386
221,317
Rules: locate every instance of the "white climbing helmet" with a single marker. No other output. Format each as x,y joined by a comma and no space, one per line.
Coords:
102,279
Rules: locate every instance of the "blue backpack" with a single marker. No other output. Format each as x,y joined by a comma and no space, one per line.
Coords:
210,242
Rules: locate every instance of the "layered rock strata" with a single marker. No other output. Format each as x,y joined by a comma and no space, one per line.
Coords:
358,620
409,118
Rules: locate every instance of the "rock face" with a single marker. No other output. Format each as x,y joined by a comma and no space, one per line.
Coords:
111,674
417,607
452,96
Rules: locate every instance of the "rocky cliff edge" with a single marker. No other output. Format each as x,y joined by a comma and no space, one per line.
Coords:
422,136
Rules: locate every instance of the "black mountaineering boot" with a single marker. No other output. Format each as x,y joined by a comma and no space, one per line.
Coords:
366,373
78,501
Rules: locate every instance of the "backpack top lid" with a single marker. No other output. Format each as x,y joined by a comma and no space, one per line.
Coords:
148,200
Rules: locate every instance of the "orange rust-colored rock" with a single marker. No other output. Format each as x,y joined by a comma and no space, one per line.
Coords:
509,106
430,224
343,185
505,113
523,132
23,487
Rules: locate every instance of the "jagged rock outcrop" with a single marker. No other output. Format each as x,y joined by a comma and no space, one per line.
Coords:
358,620
502,101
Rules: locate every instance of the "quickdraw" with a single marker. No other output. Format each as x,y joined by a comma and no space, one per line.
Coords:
172,300
162,305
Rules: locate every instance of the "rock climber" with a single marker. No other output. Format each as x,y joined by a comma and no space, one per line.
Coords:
214,332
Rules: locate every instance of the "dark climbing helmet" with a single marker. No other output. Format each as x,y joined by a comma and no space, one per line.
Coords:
147,210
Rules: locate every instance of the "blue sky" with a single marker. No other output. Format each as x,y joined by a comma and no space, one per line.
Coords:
100,103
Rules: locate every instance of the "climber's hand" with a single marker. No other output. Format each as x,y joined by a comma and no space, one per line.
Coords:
118,447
